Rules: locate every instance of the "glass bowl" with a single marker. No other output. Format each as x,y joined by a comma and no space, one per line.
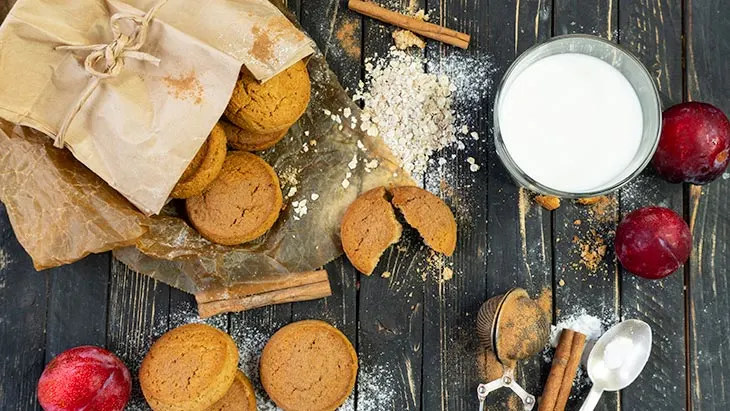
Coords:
626,64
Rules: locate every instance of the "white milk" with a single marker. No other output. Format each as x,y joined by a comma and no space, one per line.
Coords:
571,122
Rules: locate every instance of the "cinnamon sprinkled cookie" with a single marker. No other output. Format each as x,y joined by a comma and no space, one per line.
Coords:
205,166
188,368
240,397
429,215
246,140
272,106
308,366
241,204
368,228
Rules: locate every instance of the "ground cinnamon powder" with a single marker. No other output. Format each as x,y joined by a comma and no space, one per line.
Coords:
185,87
523,330
262,49
349,40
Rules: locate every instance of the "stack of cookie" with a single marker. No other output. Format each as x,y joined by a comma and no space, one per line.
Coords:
195,367
234,197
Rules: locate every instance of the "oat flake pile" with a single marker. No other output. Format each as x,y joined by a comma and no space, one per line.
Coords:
410,108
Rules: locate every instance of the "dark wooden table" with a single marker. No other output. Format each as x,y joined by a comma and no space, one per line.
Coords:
415,337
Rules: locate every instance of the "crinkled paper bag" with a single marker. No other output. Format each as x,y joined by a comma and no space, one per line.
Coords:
138,131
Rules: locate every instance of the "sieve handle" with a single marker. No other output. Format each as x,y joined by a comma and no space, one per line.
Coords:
507,380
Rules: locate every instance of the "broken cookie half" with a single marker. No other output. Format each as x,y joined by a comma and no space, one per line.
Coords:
370,226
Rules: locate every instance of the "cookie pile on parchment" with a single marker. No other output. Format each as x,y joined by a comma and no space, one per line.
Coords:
233,197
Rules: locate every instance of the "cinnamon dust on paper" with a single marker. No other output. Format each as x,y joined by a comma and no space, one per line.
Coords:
185,87
268,35
263,46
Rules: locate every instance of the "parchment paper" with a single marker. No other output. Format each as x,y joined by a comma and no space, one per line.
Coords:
170,250
292,245
148,115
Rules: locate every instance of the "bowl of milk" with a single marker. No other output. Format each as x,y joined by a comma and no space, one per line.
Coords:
576,116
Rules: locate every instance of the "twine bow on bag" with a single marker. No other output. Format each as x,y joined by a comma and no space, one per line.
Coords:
111,57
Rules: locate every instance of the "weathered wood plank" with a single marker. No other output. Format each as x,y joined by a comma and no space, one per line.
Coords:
137,316
519,232
587,283
451,371
77,290
23,301
338,33
706,28
5,7
390,337
652,30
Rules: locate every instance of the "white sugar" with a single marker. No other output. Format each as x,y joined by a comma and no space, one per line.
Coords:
582,322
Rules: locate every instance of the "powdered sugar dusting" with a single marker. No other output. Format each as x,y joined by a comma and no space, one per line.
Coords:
375,389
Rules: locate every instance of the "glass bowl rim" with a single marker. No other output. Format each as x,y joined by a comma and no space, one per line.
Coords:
523,178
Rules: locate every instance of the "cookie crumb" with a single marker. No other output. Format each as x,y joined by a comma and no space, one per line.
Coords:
590,200
405,39
386,274
549,203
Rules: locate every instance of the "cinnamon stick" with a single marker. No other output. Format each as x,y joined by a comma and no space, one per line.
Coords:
562,373
576,352
425,29
310,286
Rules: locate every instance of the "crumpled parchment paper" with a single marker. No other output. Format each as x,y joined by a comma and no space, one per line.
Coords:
165,247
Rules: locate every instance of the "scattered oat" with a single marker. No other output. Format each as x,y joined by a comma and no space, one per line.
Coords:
447,274
300,207
464,130
410,108
442,161
549,203
371,165
292,191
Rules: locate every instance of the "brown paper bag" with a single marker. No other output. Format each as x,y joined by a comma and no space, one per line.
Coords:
149,110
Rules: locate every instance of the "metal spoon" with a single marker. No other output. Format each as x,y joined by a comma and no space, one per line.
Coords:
617,359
